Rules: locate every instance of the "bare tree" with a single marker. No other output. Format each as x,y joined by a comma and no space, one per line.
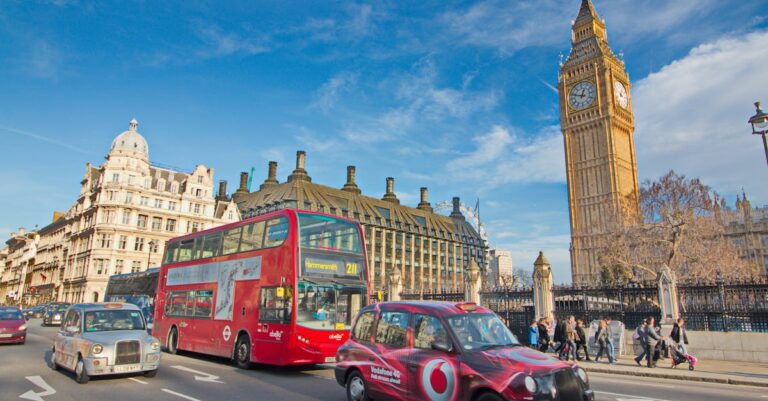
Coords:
522,277
682,226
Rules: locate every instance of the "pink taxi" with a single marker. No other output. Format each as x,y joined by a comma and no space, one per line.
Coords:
441,351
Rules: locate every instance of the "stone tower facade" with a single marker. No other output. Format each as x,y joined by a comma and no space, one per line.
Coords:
598,129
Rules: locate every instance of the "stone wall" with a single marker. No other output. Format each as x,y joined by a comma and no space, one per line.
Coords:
731,346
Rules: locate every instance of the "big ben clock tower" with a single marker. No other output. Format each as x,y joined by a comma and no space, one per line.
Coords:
598,130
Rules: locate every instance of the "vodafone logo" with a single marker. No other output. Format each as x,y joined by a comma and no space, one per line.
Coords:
439,380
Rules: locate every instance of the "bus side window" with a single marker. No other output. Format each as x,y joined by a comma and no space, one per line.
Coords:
208,246
231,241
176,305
185,250
277,231
273,308
170,252
252,236
203,304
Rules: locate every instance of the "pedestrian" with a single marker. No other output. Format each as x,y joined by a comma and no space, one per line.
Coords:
581,341
652,339
640,337
679,336
559,337
601,338
533,335
609,341
544,334
570,339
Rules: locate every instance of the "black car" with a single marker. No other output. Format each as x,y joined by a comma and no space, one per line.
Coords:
54,313
34,312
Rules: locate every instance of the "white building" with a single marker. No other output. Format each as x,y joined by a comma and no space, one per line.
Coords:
500,268
127,210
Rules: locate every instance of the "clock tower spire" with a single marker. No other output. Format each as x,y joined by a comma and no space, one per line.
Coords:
598,131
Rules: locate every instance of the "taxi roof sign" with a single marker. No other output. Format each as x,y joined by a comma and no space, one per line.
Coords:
113,305
467,306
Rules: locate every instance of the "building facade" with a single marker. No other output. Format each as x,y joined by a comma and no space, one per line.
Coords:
47,274
500,271
598,129
19,264
126,211
748,231
429,251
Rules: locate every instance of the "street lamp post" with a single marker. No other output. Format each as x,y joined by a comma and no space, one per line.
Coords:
151,244
760,126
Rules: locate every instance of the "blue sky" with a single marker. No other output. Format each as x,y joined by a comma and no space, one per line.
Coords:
454,96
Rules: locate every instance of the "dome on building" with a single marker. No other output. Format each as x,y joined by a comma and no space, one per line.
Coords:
131,143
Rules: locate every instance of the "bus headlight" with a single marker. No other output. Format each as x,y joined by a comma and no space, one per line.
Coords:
96,349
531,385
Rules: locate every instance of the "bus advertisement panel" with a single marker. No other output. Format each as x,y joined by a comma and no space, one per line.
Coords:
281,289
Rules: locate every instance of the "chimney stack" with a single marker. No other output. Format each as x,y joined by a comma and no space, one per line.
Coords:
22,231
456,212
300,173
271,176
243,189
390,196
222,190
351,185
424,205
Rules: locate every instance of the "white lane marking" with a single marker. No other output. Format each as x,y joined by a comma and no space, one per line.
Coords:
206,377
39,382
180,395
137,380
631,397
609,379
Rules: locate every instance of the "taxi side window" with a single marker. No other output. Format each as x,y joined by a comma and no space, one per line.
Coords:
72,320
392,329
363,327
428,329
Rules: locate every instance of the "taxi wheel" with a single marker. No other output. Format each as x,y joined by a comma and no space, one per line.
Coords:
173,341
489,397
151,373
356,389
243,352
81,376
54,365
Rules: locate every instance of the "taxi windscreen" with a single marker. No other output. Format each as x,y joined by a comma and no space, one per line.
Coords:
481,331
110,320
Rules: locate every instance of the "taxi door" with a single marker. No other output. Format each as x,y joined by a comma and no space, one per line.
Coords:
389,376
66,344
433,367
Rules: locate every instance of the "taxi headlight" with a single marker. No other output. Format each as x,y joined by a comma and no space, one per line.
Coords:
57,316
531,385
581,373
96,349
155,345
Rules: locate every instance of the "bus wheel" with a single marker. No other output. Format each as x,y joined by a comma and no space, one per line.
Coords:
173,341
243,352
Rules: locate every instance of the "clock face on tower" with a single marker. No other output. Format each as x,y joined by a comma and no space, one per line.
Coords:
582,95
621,94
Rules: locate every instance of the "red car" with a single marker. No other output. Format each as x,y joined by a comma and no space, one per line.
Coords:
443,351
13,326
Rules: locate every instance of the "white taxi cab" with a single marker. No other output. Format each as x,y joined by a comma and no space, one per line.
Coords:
103,339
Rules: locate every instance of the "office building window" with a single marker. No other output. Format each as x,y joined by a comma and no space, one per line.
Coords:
123,242
119,266
157,223
170,225
142,222
115,177
139,245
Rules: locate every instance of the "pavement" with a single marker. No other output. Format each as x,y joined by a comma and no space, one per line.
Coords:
724,372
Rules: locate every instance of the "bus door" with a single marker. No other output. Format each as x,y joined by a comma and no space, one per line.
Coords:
201,330
271,330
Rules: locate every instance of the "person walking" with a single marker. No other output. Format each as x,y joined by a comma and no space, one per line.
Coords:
652,339
570,339
641,337
533,335
544,334
581,341
559,337
679,336
601,338
609,341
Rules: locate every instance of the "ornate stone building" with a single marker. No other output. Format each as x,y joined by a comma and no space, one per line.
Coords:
126,211
598,130
47,273
429,250
20,257
748,230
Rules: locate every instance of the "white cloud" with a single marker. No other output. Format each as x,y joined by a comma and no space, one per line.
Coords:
691,116
501,157
328,94
220,44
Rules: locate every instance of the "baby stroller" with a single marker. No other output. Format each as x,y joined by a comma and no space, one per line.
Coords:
680,355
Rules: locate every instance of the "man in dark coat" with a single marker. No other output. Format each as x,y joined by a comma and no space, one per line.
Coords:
651,340
544,334
560,337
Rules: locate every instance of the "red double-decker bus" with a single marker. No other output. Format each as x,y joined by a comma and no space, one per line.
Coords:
282,289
